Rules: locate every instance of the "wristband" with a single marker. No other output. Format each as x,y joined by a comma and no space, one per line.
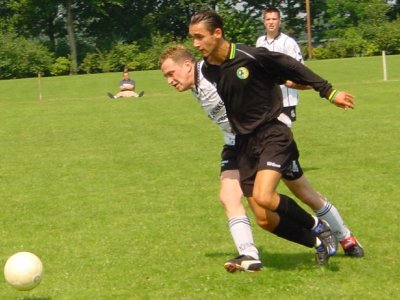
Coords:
332,96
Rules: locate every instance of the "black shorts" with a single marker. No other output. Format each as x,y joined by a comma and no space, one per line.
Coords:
290,111
229,158
271,147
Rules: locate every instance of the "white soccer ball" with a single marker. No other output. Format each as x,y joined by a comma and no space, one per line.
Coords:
23,271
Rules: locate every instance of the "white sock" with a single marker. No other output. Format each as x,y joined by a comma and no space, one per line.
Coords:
315,222
330,214
242,235
317,242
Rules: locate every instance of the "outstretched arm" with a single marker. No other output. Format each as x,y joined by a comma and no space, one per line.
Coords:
293,71
342,99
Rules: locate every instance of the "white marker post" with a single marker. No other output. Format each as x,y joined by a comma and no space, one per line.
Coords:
40,86
384,65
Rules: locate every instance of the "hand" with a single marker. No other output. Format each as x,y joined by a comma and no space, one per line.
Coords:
292,85
344,100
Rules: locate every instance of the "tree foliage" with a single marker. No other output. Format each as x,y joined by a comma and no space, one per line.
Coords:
106,35
20,57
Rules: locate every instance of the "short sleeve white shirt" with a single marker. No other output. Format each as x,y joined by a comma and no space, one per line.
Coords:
287,45
208,98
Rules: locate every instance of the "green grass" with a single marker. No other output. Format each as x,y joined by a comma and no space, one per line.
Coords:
120,198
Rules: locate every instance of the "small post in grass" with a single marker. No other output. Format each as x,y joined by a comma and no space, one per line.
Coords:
384,65
40,86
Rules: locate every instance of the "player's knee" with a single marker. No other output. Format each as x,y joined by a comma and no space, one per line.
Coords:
228,199
232,204
265,200
264,224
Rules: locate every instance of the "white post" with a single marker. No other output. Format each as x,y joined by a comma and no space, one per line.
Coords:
384,65
40,86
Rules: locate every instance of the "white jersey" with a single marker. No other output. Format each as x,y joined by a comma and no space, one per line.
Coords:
284,44
212,104
208,98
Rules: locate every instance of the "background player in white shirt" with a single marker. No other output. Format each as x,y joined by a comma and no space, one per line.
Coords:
275,40
184,74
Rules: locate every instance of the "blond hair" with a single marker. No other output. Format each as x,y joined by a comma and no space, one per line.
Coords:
177,53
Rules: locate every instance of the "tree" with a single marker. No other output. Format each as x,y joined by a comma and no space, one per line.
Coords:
55,22
394,9
389,42
348,13
36,19
90,30
242,23
20,57
71,38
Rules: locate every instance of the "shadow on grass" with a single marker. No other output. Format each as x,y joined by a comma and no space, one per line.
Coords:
286,261
37,298
291,261
308,169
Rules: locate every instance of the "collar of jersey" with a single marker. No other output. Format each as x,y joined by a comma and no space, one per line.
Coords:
274,39
232,51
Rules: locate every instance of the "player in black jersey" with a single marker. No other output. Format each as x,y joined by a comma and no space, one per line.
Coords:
247,79
181,70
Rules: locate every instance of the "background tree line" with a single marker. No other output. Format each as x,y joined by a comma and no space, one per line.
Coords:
56,37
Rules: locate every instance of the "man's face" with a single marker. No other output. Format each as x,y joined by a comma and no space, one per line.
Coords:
179,74
204,40
272,22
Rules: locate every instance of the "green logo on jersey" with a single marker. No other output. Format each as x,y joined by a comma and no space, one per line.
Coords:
242,73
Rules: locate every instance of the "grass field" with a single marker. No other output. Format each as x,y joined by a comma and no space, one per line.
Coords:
119,198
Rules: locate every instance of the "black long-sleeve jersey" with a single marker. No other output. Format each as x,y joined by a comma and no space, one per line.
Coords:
248,83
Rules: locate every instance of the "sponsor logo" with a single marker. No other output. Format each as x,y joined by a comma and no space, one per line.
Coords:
242,73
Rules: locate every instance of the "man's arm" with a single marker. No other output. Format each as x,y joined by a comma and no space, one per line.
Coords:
340,99
292,70
293,85
127,85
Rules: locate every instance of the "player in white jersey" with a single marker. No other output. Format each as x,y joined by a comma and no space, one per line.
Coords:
187,75
275,40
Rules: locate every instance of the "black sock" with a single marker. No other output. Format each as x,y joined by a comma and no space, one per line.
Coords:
293,232
288,207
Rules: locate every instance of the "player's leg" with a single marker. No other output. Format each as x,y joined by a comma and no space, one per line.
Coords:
281,225
129,94
239,224
263,158
325,210
284,227
119,95
133,94
276,162
265,194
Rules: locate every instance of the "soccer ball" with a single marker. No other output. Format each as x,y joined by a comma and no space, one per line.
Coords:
23,271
